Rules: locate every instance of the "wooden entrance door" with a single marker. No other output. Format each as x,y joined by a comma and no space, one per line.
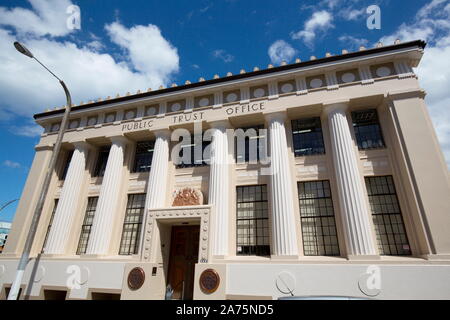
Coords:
183,257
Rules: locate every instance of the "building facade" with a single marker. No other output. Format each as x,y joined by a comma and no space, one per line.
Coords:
336,185
5,227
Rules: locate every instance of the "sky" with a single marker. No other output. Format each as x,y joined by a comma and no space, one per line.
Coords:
124,46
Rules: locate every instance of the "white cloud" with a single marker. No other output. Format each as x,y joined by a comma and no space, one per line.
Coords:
12,164
48,17
26,88
223,55
30,131
319,21
352,14
431,24
353,42
281,50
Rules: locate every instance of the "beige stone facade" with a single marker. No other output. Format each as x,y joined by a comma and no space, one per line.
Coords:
400,231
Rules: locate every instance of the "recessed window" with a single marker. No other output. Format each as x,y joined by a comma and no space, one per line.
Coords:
50,223
253,237
308,137
387,217
87,225
132,224
250,144
192,153
143,156
67,160
317,219
102,160
367,129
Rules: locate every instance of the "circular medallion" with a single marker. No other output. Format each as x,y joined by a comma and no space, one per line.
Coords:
316,83
383,72
203,102
258,93
136,278
110,117
92,121
209,281
348,77
231,97
129,115
176,107
73,124
287,87
151,111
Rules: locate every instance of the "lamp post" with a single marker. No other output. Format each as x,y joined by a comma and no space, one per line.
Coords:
13,293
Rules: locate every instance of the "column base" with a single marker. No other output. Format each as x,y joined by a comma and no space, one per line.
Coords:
363,257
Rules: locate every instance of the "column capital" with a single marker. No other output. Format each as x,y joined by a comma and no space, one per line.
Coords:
331,106
81,145
119,140
162,133
280,116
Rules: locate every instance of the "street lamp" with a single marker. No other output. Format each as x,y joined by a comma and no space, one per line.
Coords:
13,293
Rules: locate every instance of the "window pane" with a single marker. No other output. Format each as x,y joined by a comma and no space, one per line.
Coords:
251,146
132,224
252,222
367,129
143,156
317,219
387,217
307,137
87,225
195,160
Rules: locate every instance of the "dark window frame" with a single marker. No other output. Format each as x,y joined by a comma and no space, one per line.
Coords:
132,224
194,163
307,137
367,129
65,168
388,221
260,140
324,232
261,231
86,227
143,159
102,161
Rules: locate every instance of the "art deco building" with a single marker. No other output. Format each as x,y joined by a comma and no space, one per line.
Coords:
352,199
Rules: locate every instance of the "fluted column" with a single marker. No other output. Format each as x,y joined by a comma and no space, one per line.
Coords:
219,195
107,206
284,234
68,202
352,200
157,179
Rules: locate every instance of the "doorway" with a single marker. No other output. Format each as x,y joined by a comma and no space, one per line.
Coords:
183,257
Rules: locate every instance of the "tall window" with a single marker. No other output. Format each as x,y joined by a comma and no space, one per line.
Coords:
132,224
307,136
252,221
387,217
87,225
317,219
68,158
102,160
194,160
50,223
251,146
367,129
143,156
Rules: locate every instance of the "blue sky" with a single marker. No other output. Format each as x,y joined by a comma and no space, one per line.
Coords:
129,45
